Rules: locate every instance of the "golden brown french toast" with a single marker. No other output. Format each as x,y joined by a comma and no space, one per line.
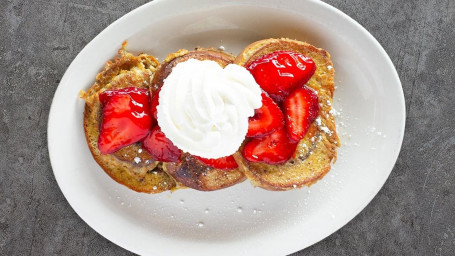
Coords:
131,166
317,150
190,171
194,174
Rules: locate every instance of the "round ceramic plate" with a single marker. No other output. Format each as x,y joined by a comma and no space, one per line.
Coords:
240,220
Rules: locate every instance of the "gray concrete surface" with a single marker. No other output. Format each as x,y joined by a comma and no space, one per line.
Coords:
414,213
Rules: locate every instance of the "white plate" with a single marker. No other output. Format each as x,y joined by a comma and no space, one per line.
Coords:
240,220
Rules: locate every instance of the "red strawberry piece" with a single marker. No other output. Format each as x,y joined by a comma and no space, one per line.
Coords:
275,148
223,163
280,72
266,119
125,121
139,95
301,108
154,103
160,147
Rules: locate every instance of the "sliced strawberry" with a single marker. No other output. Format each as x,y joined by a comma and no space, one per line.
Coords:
160,147
301,108
223,163
139,95
275,148
154,104
266,119
280,72
124,122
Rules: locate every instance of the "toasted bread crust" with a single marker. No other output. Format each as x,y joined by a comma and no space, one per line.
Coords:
195,174
191,172
124,71
317,150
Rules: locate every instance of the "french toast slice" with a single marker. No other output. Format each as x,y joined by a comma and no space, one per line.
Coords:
190,171
131,166
317,150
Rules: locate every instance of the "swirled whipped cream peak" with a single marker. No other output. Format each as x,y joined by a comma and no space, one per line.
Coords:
204,109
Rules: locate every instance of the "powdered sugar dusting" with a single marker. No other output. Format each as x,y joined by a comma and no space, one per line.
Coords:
137,160
322,127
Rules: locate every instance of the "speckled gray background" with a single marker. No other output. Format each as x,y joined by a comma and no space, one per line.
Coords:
413,214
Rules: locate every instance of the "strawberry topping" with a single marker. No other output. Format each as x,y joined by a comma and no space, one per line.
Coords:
129,114
280,72
301,108
126,119
275,148
139,95
266,119
223,163
160,147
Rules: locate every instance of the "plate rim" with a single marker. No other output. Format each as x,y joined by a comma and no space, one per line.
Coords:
155,3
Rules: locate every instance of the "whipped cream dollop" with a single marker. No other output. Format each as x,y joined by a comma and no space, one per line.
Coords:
203,109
